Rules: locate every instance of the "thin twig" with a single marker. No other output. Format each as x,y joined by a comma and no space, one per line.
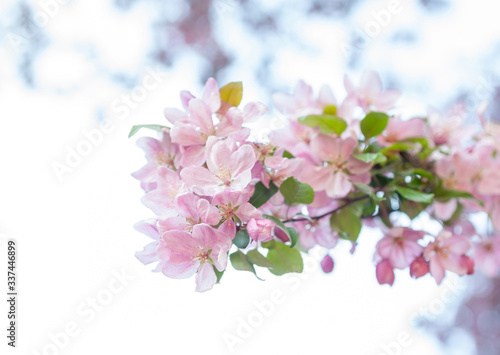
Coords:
348,202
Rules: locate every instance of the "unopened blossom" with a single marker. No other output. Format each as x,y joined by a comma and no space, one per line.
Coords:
228,166
260,230
336,169
400,246
197,253
446,253
419,267
327,264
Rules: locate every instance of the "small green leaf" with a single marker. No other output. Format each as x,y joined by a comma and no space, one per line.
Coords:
294,236
280,225
256,258
296,193
414,195
396,147
347,223
375,158
262,194
445,194
155,127
219,274
411,208
327,123
287,154
285,259
330,110
232,93
367,190
373,124
241,239
240,262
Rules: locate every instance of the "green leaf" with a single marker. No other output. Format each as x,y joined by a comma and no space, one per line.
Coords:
155,127
232,93
241,239
280,225
367,190
262,194
411,208
414,195
219,274
347,223
296,193
375,158
294,236
285,259
327,123
240,262
373,124
330,110
256,258
287,154
445,194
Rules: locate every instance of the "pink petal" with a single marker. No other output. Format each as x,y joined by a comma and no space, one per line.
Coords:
201,180
179,242
205,278
211,95
186,134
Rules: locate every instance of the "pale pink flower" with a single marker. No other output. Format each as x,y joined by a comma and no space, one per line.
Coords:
448,128
385,272
316,232
192,210
399,130
445,253
228,166
487,256
158,153
400,246
198,252
148,255
260,230
337,169
444,210
233,208
280,168
162,200
369,93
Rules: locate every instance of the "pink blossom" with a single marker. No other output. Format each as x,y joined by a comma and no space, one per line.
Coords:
385,272
487,256
400,246
158,153
198,252
341,167
260,230
399,130
445,253
316,232
162,200
327,264
148,254
191,210
233,208
228,166
419,267
369,93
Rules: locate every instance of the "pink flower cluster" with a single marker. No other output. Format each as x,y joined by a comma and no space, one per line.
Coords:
335,166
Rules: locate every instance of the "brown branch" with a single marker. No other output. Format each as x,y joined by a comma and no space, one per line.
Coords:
348,202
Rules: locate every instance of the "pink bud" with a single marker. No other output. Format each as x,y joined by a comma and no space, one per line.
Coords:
327,264
419,267
260,229
385,272
468,264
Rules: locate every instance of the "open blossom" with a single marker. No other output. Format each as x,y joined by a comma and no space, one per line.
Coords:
260,230
158,153
446,253
162,200
197,253
400,246
340,170
233,207
316,232
369,93
191,210
399,130
487,256
228,166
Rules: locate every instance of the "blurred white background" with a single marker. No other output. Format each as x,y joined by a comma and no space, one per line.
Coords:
68,68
